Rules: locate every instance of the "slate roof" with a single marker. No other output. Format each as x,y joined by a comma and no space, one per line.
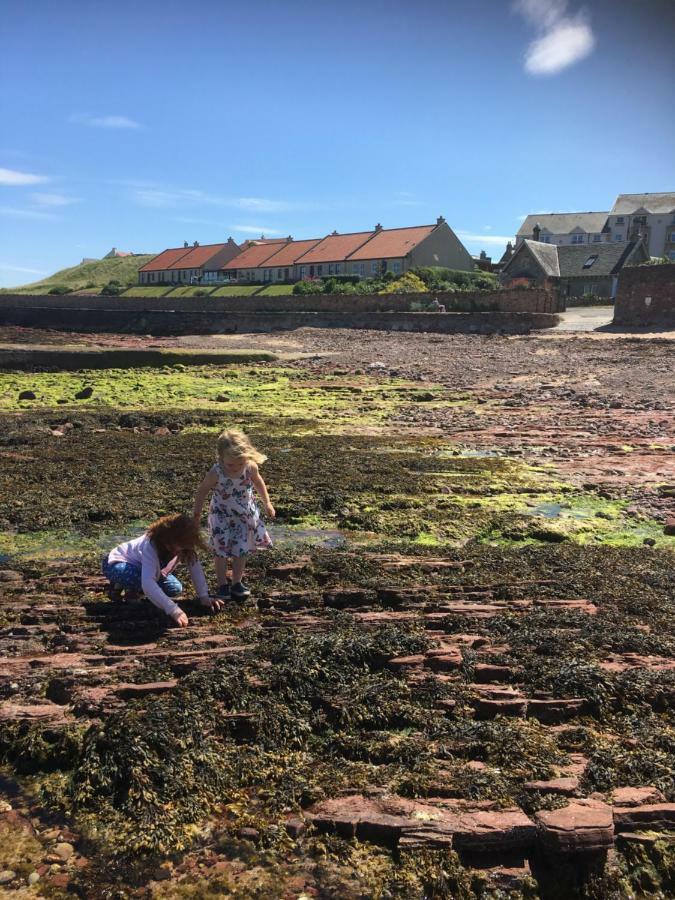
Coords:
653,203
564,223
611,258
545,254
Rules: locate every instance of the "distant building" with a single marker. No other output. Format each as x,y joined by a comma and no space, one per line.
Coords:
652,215
564,228
649,215
115,253
188,264
573,271
362,253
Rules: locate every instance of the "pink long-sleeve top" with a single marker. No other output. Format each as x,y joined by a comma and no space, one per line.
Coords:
141,552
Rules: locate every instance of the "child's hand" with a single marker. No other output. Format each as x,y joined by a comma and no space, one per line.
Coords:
180,618
270,511
212,603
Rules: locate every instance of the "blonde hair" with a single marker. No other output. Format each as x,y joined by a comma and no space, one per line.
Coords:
233,442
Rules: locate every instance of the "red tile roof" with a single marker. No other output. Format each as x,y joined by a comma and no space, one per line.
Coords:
290,252
183,258
392,242
335,247
254,256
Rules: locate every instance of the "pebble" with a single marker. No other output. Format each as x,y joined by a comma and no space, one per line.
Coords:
33,878
7,876
64,851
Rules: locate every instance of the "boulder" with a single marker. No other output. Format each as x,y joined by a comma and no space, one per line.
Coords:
27,395
551,712
636,796
565,787
669,527
581,827
84,394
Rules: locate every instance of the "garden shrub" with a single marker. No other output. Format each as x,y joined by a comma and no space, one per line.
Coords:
112,289
60,289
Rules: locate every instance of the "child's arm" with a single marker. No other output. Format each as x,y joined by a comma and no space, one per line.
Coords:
209,482
261,488
150,572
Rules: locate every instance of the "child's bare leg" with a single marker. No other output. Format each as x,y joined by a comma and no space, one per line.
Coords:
221,569
238,566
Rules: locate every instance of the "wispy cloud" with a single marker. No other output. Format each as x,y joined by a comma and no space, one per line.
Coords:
562,39
106,121
25,213
5,267
256,229
53,199
162,197
12,178
474,238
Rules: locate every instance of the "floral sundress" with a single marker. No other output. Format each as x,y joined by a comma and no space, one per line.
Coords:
235,525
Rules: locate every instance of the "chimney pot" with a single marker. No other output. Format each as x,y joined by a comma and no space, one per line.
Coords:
536,231
196,244
185,244
378,227
440,220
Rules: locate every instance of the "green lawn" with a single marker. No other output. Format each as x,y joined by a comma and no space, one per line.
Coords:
153,290
234,290
277,290
191,290
91,276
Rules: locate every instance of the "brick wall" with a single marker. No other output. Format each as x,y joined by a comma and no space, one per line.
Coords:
646,296
517,300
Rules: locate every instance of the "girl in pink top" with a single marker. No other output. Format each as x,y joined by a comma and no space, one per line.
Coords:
144,565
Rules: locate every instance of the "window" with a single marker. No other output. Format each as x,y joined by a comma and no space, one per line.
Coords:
618,237
672,236
588,289
596,238
374,267
331,269
396,266
577,238
619,220
589,262
319,270
338,268
362,269
303,270
355,268
546,238
672,255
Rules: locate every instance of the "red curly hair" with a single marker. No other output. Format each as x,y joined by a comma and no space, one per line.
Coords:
176,533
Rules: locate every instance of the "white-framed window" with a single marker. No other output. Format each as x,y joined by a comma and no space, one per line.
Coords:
577,238
374,267
396,266
590,261
619,220
596,238
303,271
618,237
546,238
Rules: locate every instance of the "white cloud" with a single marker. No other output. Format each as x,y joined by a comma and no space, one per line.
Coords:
472,237
563,40
568,42
161,196
5,267
262,204
14,179
258,230
106,121
25,213
53,199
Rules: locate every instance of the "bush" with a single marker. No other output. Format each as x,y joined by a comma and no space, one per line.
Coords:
201,293
406,284
112,289
60,289
308,286
438,278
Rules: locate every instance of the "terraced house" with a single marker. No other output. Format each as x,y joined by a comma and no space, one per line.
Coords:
362,253
188,264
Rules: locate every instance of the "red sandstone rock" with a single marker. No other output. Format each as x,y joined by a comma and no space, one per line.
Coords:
44,712
399,663
651,817
636,796
443,660
584,826
484,673
489,709
669,527
132,691
287,570
346,597
566,787
552,711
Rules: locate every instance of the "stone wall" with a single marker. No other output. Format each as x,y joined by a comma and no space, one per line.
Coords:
517,300
135,319
646,296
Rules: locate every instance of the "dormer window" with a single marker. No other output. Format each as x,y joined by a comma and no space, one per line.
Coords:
589,262
619,220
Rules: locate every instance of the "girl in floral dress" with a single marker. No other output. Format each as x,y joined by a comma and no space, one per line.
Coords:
235,526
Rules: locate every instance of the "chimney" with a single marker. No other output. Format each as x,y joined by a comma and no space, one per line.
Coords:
333,232
378,227
289,239
185,244
483,254
536,232
230,240
196,244
440,220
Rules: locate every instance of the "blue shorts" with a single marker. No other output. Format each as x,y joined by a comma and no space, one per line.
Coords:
128,576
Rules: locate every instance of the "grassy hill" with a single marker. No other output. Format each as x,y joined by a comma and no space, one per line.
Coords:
90,275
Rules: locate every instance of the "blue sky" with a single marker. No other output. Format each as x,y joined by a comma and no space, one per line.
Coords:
144,124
